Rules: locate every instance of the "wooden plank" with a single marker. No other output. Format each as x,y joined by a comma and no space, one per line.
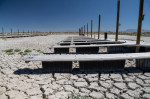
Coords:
86,57
104,45
95,42
87,43
83,40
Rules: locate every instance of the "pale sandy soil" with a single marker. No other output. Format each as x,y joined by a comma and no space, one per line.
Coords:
38,42
20,80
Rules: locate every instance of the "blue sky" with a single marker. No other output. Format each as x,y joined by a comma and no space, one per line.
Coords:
69,15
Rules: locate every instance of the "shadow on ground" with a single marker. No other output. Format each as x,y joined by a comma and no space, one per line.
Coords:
77,71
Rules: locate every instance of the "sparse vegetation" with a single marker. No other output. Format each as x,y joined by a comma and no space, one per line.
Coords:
17,50
27,50
74,96
8,50
10,53
39,51
21,53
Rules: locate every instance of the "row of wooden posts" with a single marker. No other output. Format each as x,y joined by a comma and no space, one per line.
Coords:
11,31
117,23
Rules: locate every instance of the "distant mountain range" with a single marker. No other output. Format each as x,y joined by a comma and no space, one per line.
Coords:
135,30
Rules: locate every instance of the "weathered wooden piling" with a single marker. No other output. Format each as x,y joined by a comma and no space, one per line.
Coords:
84,30
139,23
117,24
79,31
18,31
87,29
11,31
2,30
99,27
105,36
91,27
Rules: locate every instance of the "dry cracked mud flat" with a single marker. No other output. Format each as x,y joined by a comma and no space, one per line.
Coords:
20,80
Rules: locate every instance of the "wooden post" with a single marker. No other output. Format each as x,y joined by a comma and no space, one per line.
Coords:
91,27
139,23
117,24
2,30
99,27
18,31
23,31
84,30
87,29
79,31
11,31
